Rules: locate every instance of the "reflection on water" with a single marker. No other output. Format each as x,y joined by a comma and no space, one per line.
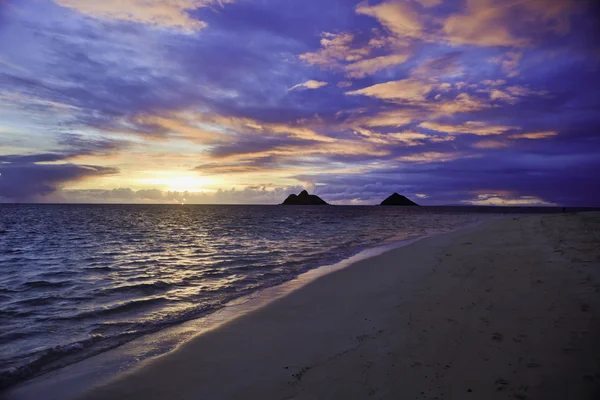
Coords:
78,279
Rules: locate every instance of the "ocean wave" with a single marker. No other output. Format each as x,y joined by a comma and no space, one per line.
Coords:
46,284
146,288
37,301
16,313
103,268
12,336
117,309
47,360
13,251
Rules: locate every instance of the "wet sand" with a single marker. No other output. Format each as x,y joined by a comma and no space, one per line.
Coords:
506,310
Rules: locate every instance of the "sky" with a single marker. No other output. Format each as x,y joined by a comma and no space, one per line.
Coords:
246,101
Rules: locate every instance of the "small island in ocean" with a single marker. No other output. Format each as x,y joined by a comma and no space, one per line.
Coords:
398,200
304,199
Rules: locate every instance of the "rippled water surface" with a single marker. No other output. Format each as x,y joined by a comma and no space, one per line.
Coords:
78,279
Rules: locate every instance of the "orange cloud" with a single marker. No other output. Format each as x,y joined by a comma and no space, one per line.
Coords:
512,94
399,18
179,124
497,82
491,22
499,199
405,138
461,104
310,84
433,156
340,51
171,14
410,90
369,66
335,49
490,144
470,127
496,94
484,24
534,135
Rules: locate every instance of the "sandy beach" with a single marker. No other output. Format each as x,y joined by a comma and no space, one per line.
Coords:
508,309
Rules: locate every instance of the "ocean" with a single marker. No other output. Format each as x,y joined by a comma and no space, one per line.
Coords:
76,280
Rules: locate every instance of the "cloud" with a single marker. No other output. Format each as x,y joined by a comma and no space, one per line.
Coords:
172,14
497,82
310,84
508,24
212,129
430,3
431,157
336,48
512,94
482,25
398,17
281,154
343,51
362,68
534,135
462,103
469,127
395,118
27,181
406,138
266,194
409,90
522,91
509,62
496,94
490,144
492,199
25,177
445,66
554,15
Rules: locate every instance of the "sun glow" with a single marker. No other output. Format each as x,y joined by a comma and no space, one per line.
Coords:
178,182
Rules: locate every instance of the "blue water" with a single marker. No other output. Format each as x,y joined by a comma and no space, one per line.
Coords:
76,280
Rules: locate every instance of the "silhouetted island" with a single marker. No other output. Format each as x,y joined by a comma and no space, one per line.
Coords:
397,200
304,199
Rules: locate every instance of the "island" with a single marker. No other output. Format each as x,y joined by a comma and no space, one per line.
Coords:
304,199
398,200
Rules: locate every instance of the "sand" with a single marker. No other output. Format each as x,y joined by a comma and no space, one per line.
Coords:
506,310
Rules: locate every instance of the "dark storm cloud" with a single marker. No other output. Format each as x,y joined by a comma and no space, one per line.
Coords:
25,182
31,158
24,178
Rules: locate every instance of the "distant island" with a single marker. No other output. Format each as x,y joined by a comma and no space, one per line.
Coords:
304,199
397,200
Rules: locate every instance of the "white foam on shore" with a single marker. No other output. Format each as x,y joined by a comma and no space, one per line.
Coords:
73,380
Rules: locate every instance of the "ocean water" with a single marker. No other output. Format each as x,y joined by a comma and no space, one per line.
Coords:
76,280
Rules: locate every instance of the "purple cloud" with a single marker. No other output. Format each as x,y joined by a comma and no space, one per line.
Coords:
27,181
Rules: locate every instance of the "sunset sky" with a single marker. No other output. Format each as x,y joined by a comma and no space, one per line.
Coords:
246,101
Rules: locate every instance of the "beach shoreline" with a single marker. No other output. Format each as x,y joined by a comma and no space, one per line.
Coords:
70,380
421,320
173,265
